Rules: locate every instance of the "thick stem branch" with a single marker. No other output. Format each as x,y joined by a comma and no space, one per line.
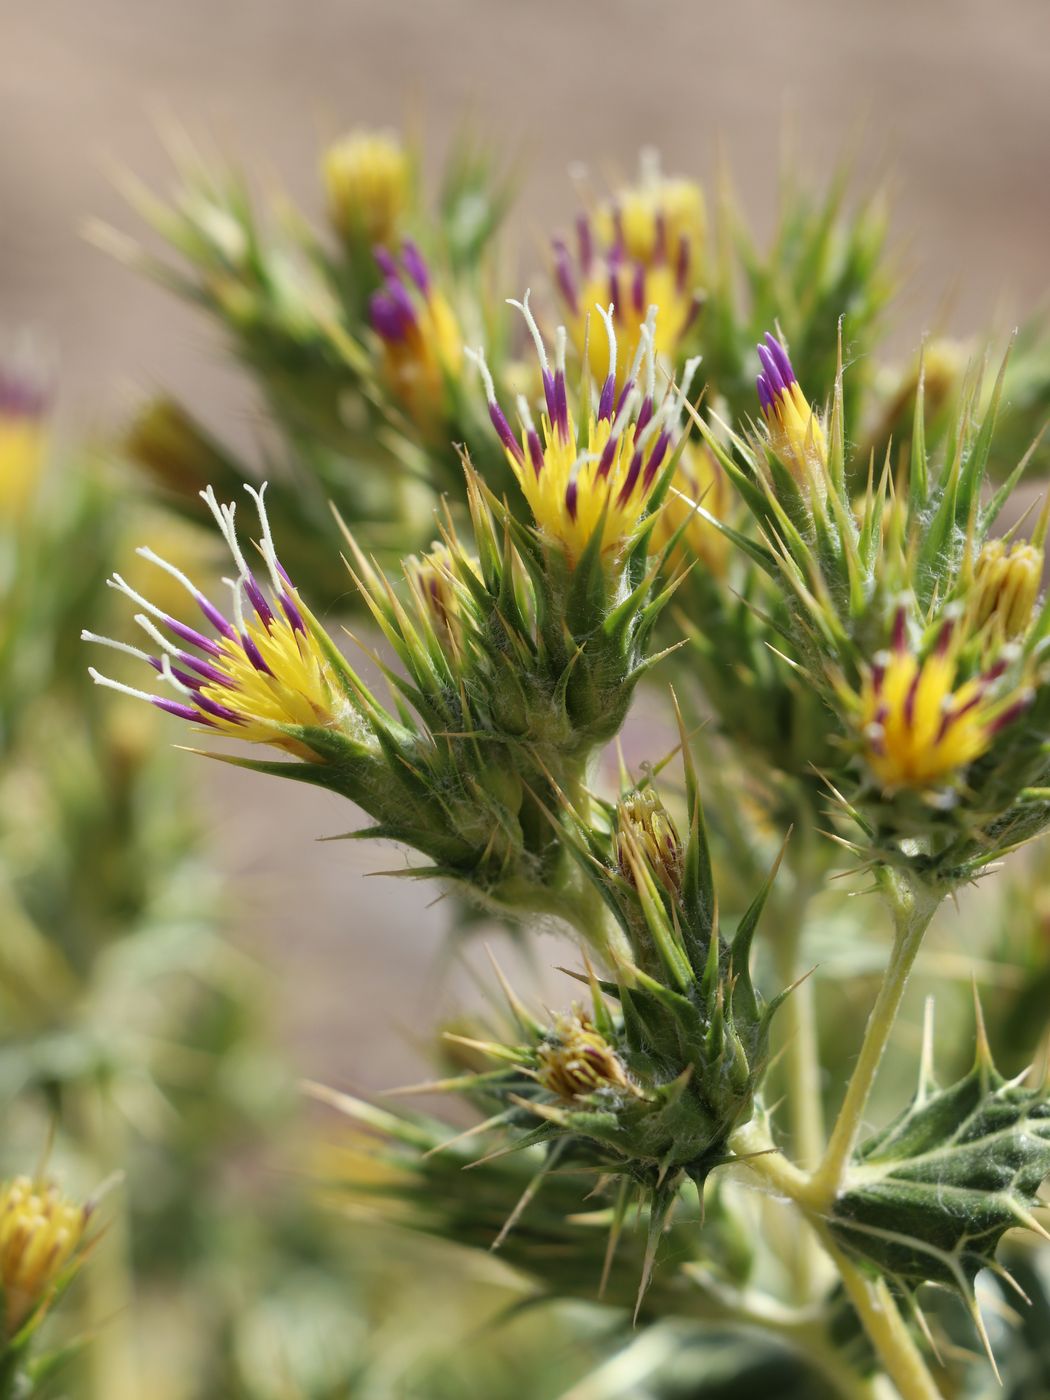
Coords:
913,908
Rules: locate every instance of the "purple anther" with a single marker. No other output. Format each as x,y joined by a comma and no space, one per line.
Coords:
656,457
505,432
292,613
194,638
878,675
644,414
773,377
638,288
780,357
900,631
258,600
211,707
614,293
765,398
211,673
563,274
909,699
584,242
561,406
571,493
549,396
387,317
660,247
944,641
617,220
415,265
608,454
387,263
608,398
535,450
254,655
627,389
631,479
172,707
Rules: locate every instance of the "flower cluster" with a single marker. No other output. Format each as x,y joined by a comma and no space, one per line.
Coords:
640,249
267,674
596,484
421,339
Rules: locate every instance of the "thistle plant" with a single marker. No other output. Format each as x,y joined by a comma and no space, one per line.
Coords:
682,465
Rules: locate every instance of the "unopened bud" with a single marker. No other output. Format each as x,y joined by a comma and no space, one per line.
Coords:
644,824
1006,586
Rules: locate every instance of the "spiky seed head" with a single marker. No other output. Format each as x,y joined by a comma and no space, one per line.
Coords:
368,182
576,1060
645,827
1007,579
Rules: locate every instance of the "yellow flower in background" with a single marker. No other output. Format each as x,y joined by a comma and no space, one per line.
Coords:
1007,580
577,1060
422,345
263,676
640,249
921,723
795,432
657,219
368,181
40,1232
601,478
24,404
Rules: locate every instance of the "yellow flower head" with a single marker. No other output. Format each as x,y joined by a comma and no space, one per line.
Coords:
921,727
576,1060
658,219
40,1232
368,179
1006,584
795,432
422,346
644,826
24,403
261,675
603,477
640,249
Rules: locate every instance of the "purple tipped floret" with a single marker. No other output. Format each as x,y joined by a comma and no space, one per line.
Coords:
638,288
561,406
292,613
386,262
219,711
194,638
644,414
387,317
656,457
608,398
682,260
780,356
254,655
631,479
173,707
535,450
258,600
774,382
415,265
765,398
608,453
505,432
571,494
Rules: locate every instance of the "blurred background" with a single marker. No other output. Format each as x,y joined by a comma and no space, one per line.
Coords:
952,106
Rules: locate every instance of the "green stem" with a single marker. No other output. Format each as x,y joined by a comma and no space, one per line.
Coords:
913,907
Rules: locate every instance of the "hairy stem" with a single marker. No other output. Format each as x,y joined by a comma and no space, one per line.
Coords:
913,908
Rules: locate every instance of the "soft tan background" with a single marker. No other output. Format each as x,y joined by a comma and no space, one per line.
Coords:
955,97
